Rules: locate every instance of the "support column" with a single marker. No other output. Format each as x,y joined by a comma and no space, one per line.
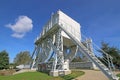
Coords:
35,58
60,67
59,47
89,46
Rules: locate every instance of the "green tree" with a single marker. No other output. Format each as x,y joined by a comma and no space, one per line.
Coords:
112,51
4,60
22,58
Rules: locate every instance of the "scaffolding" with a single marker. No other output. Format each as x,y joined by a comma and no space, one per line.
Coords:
59,42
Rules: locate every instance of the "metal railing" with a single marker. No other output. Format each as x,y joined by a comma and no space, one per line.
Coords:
107,70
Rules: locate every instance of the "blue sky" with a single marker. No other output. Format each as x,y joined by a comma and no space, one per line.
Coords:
99,19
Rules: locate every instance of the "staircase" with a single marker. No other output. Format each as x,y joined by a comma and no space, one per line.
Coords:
106,70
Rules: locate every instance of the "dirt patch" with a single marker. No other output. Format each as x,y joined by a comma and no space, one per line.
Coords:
92,75
7,72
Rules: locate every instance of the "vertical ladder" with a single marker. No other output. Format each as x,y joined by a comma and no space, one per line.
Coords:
90,55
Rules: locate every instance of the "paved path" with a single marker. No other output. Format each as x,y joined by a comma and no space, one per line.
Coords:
92,75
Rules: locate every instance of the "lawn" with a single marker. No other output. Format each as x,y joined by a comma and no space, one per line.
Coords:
118,76
40,76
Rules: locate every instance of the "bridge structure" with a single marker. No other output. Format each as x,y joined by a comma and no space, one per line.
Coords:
59,42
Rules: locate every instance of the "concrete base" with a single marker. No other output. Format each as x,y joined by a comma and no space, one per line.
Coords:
54,73
95,67
33,68
59,73
66,72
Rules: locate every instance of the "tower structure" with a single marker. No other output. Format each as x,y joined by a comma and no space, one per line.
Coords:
56,44
59,42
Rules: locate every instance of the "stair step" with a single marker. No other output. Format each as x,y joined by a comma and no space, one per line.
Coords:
98,62
102,65
115,77
86,49
91,55
106,69
109,73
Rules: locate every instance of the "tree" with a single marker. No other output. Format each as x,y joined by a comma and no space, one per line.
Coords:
22,58
4,60
112,51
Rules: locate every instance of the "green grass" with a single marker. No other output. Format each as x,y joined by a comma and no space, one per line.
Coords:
73,75
40,76
118,76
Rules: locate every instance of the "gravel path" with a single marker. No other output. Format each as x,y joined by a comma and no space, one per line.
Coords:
92,75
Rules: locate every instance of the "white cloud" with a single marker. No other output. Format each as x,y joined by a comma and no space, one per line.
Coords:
18,35
21,27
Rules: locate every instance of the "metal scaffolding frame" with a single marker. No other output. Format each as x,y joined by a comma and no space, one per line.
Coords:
50,45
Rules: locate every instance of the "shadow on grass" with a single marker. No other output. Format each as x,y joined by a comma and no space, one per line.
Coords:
46,72
73,75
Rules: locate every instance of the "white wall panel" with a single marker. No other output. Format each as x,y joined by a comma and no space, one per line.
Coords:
71,25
